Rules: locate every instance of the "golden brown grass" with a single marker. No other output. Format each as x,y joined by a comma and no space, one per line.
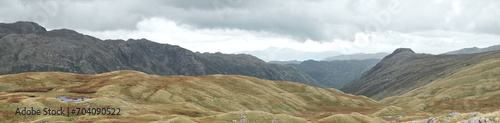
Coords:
475,89
151,98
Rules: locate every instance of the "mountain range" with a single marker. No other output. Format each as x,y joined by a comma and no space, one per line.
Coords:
474,50
28,47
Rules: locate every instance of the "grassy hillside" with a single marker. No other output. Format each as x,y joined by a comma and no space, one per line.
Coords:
475,89
150,98
405,70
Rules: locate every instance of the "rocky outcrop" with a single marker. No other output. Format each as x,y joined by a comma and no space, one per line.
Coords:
28,47
430,120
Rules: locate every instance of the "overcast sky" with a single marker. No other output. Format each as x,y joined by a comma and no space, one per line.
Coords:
228,26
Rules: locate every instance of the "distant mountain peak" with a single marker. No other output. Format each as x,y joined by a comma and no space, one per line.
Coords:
21,27
403,50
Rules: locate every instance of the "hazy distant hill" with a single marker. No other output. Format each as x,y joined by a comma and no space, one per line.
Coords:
28,47
285,62
287,54
359,56
404,70
474,50
335,74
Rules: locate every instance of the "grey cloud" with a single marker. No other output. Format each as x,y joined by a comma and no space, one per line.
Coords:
318,20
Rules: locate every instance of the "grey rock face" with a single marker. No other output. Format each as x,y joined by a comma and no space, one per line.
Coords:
479,120
28,47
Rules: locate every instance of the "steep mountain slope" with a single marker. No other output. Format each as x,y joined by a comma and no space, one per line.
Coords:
476,89
403,71
28,47
359,56
474,50
335,74
148,98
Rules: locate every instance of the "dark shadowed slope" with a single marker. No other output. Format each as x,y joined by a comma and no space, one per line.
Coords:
335,74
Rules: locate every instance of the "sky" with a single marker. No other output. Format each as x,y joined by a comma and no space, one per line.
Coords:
231,26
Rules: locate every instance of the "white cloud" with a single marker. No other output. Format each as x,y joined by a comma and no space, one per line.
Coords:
234,40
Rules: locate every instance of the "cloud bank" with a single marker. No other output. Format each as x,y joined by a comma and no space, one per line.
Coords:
348,26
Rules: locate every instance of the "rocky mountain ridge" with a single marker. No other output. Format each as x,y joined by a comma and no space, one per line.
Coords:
28,47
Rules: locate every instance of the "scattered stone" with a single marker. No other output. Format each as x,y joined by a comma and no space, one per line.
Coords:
392,117
485,120
472,114
479,120
454,114
473,120
497,119
446,120
430,120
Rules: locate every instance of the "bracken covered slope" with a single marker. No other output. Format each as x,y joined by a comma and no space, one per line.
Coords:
28,47
150,98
